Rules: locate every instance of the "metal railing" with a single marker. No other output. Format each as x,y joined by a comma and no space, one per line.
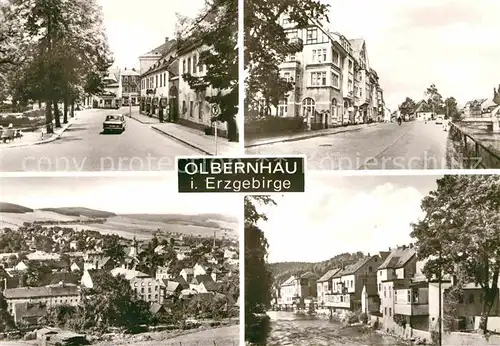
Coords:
472,154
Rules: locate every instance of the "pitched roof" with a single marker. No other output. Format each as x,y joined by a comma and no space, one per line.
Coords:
309,275
398,258
164,48
210,285
202,279
357,44
170,286
47,291
181,281
155,307
128,273
328,275
188,270
353,268
289,281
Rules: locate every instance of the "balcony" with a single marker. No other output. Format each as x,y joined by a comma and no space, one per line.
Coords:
294,44
348,94
411,309
290,65
338,301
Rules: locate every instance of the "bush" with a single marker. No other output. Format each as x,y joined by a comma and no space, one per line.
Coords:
257,328
363,318
208,131
274,125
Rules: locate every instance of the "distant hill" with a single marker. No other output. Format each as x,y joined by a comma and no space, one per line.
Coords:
283,270
14,208
203,220
80,211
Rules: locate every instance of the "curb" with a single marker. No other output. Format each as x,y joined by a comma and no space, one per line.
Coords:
182,141
313,135
142,122
45,141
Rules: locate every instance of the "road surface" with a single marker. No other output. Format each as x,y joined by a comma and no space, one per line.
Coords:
83,147
413,145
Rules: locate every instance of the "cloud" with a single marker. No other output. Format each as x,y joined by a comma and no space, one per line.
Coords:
329,220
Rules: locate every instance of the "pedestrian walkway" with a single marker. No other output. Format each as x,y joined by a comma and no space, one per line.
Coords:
40,135
291,137
142,118
198,139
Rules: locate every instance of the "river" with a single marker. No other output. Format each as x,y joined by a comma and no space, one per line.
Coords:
290,329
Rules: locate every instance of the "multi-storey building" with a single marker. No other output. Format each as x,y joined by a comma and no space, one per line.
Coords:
130,80
295,289
350,282
147,289
333,84
52,295
325,285
159,81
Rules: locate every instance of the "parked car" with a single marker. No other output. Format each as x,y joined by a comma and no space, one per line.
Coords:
114,122
439,120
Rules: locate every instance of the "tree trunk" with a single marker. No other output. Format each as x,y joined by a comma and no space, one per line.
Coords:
57,115
232,130
72,108
65,120
48,116
39,104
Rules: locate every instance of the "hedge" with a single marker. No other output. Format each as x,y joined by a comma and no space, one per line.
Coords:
270,125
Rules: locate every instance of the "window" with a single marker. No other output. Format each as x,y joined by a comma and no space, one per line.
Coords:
286,20
161,81
385,311
336,84
471,298
390,312
385,292
292,33
335,58
312,35
334,116
319,55
318,78
189,65
350,66
191,108
194,63
283,108
287,76
149,296
390,292
291,57
200,113
409,296
156,81
352,283
142,290
308,107
183,107
380,287
184,66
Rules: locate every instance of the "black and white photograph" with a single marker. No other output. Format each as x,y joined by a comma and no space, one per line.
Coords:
374,85
107,85
375,260
110,261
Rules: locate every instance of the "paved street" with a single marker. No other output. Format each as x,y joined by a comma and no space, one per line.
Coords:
83,147
413,145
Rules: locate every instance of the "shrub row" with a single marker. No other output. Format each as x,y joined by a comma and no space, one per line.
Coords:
272,125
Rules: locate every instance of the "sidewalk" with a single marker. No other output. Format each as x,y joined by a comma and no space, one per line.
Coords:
292,137
198,140
40,136
191,137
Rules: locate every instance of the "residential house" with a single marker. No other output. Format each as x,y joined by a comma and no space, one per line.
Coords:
159,81
187,274
21,267
163,273
423,112
295,289
73,245
350,282
128,274
111,96
182,282
75,267
199,269
97,260
325,285
194,110
170,288
49,295
157,309
147,289
331,76
473,108
42,256
370,300
130,81
396,270
203,284
182,252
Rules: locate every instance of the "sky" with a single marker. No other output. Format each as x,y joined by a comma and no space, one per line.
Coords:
340,214
134,28
121,195
412,44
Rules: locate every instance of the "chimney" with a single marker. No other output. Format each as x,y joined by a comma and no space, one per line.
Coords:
166,39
